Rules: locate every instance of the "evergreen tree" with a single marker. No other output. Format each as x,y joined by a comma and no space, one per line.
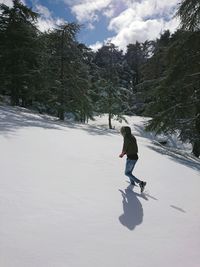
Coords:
68,80
189,13
177,96
18,52
82,93
94,76
136,56
66,54
109,60
153,71
177,99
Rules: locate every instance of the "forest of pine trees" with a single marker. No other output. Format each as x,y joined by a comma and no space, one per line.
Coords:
54,73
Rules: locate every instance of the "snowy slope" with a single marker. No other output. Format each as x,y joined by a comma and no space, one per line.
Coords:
65,202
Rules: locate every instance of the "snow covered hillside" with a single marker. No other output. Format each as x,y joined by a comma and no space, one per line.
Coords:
65,202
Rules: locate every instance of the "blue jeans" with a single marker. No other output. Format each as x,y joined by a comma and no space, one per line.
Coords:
130,164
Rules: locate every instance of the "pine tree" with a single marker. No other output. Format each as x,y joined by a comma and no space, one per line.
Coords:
177,99
189,13
136,56
67,80
67,49
18,51
177,102
109,61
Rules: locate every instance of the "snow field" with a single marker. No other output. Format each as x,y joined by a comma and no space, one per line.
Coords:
65,202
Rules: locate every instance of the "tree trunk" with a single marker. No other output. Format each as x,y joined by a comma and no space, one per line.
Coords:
196,148
109,120
61,114
62,108
196,145
14,96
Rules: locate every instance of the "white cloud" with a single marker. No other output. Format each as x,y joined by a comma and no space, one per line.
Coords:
96,46
43,11
123,20
138,31
87,10
143,20
109,12
46,21
7,2
10,2
172,24
90,26
45,24
49,24
131,20
141,31
153,7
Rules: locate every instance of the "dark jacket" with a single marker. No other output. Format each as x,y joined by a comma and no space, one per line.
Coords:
130,147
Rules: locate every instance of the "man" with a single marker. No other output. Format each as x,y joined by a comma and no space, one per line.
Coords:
130,149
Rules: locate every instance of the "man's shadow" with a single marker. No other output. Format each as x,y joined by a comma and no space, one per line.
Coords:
133,211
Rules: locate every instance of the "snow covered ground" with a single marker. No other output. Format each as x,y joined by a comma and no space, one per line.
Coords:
65,202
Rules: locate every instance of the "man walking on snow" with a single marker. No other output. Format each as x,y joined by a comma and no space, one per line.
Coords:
130,148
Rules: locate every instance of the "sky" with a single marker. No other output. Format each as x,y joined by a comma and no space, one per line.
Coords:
118,21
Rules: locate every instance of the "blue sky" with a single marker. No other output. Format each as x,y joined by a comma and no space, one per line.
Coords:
118,21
